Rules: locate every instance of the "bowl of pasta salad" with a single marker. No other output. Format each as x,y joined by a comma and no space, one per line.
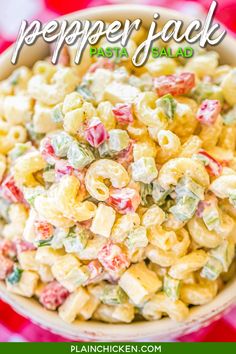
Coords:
118,188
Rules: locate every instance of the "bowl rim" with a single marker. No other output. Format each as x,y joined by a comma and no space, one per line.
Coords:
94,330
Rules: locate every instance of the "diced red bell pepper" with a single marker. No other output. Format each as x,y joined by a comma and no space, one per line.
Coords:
203,204
125,200
123,113
176,84
47,151
10,191
6,266
102,64
113,258
63,168
209,111
125,157
213,167
7,248
95,133
53,295
24,246
43,230
95,272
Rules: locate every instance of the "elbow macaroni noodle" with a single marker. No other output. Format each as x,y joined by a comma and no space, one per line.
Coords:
117,197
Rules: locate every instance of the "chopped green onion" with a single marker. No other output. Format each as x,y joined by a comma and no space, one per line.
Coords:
43,243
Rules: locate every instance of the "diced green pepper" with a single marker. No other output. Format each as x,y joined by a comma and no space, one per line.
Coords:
232,199
33,135
49,174
4,209
103,150
76,240
58,238
144,170
79,155
224,253
208,91
19,150
159,194
171,287
113,295
57,114
188,195
118,140
211,217
137,238
187,187
85,92
168,104
145,192
185,208
61,143
31,193
229,118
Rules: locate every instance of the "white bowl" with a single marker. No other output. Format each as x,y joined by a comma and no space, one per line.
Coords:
165,328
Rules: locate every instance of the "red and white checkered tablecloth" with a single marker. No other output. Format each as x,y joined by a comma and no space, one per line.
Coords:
13,327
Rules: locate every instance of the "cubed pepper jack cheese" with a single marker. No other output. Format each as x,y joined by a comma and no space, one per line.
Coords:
119,93
73,305
27,260
92,249
18,109
29,231
47,255
103,220
89,308
26,286
68,271
42,119
139,283
100,80
115,314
